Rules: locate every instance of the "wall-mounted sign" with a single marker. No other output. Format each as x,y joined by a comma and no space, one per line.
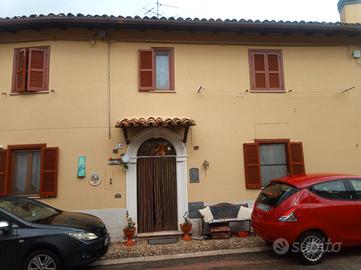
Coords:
81,167
194,175
95,179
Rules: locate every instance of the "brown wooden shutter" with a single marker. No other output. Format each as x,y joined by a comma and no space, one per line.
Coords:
19,73
49,172
252,165
146,70
297,164
274,71
3,172
259,70
38,63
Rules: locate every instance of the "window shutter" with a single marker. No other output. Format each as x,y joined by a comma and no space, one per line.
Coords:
49,172
38,63
259,70
146,70
297,164
19,73
274,71
3,172
252,165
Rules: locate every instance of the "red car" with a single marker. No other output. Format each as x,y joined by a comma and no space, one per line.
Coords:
310,215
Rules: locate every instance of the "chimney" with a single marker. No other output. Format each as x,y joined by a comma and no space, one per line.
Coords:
350,11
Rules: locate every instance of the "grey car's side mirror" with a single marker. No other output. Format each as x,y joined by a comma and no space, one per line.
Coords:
4,226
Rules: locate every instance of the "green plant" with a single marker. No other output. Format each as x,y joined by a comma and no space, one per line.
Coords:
130,223
186,218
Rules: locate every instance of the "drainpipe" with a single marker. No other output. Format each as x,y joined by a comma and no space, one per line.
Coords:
109,88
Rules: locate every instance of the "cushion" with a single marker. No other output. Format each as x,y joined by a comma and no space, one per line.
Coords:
207,215
244,213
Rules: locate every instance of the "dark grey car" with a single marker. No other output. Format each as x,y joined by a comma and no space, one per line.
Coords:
34,235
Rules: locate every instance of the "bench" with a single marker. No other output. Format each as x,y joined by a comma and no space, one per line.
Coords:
217,218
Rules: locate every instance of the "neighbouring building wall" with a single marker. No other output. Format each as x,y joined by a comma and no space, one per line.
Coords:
350,11
74,117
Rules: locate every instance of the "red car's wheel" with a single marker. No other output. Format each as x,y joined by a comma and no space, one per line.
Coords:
311,247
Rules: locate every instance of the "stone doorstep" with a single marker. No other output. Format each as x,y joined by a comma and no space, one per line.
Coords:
179,256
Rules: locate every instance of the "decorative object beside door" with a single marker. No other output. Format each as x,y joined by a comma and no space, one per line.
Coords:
81,166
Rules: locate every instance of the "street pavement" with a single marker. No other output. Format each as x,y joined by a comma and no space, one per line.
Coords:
347,259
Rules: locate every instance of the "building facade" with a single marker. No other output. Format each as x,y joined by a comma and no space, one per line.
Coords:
199,111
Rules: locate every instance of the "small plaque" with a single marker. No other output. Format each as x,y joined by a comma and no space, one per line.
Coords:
95,179
194,175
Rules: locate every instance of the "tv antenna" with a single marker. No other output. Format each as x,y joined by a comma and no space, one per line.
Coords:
155,10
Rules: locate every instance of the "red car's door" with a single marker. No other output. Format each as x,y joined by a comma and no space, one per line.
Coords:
337,212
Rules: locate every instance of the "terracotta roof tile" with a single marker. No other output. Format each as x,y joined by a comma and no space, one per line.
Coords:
155,122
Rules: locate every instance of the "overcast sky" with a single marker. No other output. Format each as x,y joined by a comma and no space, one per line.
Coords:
308,10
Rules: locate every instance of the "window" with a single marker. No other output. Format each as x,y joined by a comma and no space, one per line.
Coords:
31,70
266,71
265,160
356,187
334,190
274,194
26,172
156,69
273,162
29,170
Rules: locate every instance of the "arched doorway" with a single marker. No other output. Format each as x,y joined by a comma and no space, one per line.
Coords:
157,186
181,170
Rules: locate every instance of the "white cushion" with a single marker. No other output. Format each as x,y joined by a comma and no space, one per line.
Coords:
207,215
244,213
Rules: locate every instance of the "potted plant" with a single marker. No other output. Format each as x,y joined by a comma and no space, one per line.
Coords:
186,227
129,231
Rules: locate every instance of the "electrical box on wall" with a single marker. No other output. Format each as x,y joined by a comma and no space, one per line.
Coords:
356,54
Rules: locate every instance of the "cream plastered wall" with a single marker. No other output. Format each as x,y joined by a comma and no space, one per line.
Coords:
351,13
75,117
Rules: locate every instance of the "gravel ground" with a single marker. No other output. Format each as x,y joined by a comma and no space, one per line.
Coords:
142,248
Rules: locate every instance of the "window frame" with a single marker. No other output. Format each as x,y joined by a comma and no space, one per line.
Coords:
46,71
23,147
49,169
270,142
170,51
252,72
252,164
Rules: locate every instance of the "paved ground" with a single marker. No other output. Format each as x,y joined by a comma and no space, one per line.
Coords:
348,259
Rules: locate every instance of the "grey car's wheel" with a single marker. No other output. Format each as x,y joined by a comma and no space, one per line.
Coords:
43,260
311,247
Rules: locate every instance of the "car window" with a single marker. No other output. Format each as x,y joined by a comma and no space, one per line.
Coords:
28,210
356,185
334,190
276,193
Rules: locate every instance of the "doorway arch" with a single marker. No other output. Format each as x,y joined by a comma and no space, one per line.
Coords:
181,170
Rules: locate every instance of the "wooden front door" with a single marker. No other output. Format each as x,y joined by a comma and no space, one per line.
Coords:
157,187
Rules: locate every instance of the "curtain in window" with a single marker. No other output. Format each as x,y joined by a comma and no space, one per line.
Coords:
26,172
162,70
20,174
35,173
273,162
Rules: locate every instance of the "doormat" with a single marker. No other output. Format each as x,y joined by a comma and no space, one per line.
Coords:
162,241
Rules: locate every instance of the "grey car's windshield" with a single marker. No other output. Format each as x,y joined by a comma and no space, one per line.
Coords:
28,210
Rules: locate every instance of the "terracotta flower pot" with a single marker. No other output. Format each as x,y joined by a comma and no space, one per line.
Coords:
186,228
129,234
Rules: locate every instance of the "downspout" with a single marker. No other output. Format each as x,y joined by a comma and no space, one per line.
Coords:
109,88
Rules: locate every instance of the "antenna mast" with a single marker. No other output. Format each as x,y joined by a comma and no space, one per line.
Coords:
155,10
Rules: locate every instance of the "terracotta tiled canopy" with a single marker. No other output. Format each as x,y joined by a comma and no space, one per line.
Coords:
185,123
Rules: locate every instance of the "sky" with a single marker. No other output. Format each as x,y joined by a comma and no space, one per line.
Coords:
307,10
